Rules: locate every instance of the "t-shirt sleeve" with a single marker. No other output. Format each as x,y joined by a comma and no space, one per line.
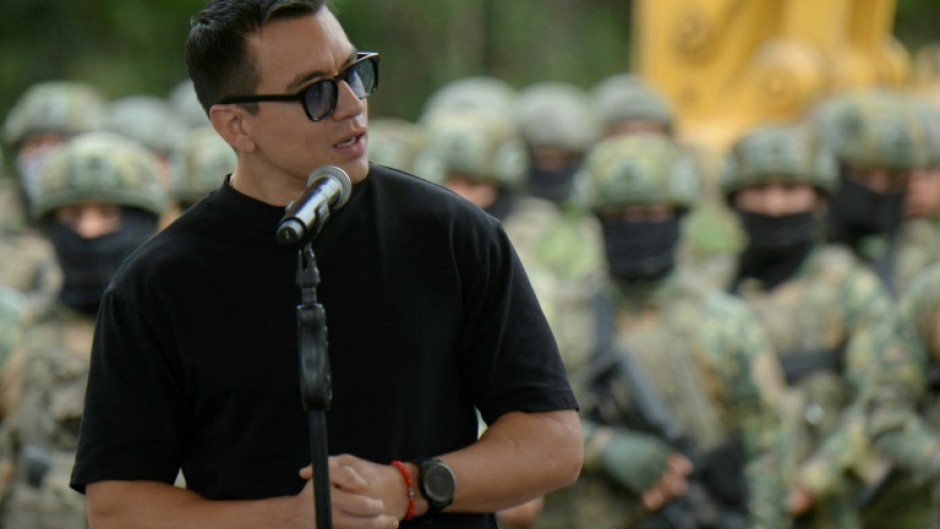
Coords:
507,346
133,424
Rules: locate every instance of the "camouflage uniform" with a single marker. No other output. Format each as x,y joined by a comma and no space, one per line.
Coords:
879,130
702,350
55,110
12,322
832,324
41,436
905,417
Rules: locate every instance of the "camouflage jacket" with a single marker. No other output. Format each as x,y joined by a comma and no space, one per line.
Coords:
711,364
833,326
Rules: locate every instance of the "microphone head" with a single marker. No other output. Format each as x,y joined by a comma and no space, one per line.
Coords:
339,176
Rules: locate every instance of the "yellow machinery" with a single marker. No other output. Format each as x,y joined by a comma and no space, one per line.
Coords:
728,65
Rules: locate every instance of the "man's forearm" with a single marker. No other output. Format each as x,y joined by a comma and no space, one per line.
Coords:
519,458
151,505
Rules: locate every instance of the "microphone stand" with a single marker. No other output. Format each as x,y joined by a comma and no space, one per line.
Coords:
316,388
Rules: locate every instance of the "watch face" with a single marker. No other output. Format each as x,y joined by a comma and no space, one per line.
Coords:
439,483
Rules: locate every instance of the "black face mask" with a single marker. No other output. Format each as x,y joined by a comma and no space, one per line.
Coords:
640,251
88,264
553,184
777,246
503,205
856,212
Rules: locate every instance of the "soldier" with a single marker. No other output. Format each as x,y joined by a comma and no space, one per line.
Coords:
879,141
627,104
44,117
828,317
681,373
630,105
559,126
199,164
97,199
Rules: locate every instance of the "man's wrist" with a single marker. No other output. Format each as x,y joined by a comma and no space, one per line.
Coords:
414,503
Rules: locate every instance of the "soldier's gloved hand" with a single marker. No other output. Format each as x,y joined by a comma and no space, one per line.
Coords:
635,460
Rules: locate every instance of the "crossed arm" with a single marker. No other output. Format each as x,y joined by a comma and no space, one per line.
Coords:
520,457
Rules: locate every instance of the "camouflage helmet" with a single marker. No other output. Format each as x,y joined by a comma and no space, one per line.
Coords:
473,94
477,146
148,120
627,97
100,167
557,115
64,108
200,164
396,143
186,105
779,153
872,129
640,170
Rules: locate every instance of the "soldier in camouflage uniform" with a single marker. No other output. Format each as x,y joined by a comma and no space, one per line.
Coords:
97,199
44,117
879,141
711,369
199,164
629,105
904,417
829,318
559,126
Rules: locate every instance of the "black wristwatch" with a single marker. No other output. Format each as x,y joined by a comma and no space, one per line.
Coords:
437,483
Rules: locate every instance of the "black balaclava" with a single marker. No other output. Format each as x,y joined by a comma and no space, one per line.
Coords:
777,246
502,207
640,251
856,212
88,264
553,184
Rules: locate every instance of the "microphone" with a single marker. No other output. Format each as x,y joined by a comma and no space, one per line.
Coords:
328,189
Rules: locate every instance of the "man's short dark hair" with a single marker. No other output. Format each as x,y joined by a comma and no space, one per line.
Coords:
216,52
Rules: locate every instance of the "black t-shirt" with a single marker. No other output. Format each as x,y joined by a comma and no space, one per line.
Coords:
195,361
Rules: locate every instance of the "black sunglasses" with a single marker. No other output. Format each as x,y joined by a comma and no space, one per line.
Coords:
319,98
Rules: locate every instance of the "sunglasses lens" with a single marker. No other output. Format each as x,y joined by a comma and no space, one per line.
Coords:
361,78
320,98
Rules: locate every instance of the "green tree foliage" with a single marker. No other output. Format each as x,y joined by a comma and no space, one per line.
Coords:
136,46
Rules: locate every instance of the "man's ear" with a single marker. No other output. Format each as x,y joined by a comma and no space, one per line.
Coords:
228,121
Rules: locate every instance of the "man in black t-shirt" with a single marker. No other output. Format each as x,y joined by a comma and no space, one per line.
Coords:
430,317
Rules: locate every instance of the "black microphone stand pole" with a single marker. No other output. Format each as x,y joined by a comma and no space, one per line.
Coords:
316,388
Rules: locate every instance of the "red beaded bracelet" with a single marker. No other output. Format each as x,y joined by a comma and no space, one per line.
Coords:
410,486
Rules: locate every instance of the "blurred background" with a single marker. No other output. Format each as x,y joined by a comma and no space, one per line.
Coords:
128,47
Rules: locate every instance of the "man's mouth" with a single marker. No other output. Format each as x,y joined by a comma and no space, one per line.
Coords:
349,142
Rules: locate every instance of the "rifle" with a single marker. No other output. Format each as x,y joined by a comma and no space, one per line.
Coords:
716,497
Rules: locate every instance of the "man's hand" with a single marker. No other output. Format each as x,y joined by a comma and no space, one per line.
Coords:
645,465
358,494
